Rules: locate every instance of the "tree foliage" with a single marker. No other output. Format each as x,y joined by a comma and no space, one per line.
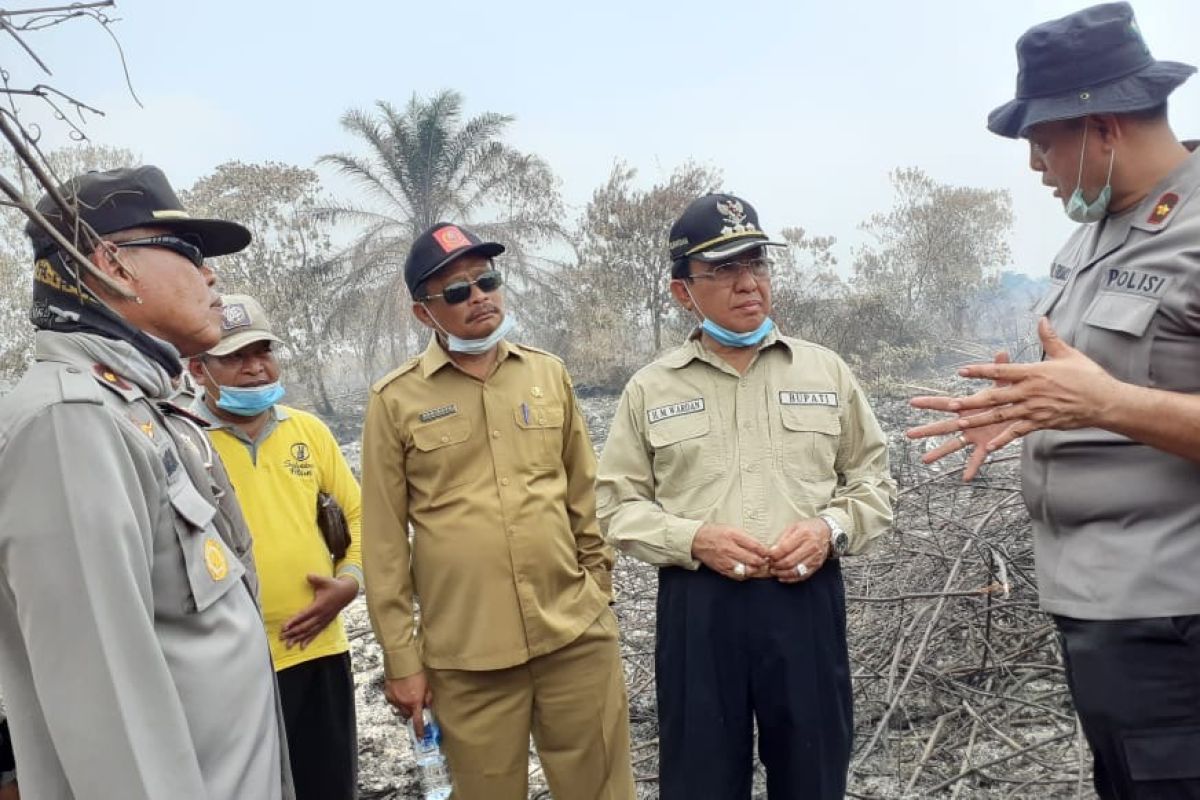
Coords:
618,300
288,266
935,247
425,164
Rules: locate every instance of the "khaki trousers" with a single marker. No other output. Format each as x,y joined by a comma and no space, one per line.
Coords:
573,702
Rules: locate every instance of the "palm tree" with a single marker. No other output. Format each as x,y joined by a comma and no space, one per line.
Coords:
424,164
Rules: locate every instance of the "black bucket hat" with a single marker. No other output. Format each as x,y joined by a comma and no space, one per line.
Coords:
136,197
1091,62
716,227
438,246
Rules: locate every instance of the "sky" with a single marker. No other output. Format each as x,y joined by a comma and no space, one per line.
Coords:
805,107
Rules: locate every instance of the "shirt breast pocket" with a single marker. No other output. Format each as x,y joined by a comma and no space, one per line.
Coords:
1115,334
540,435
440,456
685,454
212,568
808,441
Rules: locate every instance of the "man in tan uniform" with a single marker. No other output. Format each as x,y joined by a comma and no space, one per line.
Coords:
478,444
743,464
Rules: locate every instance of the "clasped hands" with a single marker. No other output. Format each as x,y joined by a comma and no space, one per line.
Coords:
799,552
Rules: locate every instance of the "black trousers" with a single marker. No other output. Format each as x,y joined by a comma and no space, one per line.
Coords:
318,714
1136,685
731,653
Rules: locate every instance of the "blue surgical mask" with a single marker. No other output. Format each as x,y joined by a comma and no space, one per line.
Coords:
1077,208
475,346
723,335
249,401
733,338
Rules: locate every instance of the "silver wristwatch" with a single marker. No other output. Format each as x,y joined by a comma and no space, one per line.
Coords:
839,540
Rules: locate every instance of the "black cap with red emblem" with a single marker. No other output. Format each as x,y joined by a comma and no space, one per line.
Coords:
438,246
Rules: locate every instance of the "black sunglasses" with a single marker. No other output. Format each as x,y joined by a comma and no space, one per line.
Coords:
458,292
188,248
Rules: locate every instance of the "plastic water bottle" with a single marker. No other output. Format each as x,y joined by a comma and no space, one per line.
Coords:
431,764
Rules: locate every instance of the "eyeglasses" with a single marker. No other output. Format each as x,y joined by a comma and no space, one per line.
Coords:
727,274
458,292
188,249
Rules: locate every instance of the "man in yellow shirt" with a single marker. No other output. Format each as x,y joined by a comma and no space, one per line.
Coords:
744,464
278,459
479,446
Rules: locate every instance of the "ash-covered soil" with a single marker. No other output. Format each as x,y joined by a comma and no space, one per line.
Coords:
958,685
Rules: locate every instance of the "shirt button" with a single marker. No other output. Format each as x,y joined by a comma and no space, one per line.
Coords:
504,481
445,439
495,434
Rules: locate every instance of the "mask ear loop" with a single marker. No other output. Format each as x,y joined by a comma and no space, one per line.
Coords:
695,302
204,366
1082,152
437,324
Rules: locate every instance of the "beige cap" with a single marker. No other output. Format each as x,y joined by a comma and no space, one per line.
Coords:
243,322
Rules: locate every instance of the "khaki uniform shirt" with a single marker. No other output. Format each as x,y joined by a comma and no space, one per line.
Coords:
496,478
1115,521
694,442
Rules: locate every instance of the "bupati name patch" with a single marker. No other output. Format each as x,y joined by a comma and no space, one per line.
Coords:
1135,282
808,398
675,410
438,413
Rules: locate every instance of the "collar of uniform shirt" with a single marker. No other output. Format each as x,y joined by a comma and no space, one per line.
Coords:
435,356
201,409
694,349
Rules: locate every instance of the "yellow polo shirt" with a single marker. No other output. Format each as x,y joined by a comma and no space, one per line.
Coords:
277,479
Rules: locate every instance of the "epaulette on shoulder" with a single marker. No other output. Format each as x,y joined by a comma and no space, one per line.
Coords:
407,366
109,379
537,350
78,387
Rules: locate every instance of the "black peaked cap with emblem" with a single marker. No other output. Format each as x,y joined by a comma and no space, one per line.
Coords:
136,197
438,246
1091,62
716,227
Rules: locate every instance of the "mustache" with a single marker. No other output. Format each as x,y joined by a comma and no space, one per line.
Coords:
483,311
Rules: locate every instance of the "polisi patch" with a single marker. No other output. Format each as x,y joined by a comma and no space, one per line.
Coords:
808,399
437,413
1133,281
694,406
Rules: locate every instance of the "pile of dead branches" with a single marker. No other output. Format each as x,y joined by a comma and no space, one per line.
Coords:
958,682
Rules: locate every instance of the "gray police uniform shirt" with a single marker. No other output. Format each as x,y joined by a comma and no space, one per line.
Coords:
132,656
1117,523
